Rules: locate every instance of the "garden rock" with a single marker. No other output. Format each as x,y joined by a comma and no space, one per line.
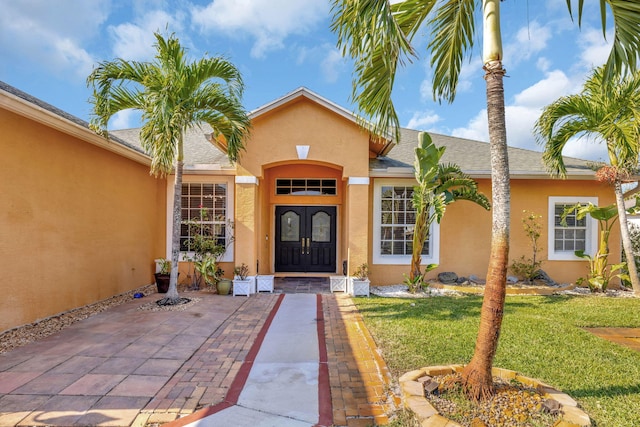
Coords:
551,406
475,279
544,277
512,279
447,277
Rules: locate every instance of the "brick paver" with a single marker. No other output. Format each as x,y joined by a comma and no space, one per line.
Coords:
360,380
126,367
205,378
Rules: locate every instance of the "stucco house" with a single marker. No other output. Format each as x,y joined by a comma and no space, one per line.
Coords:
313,194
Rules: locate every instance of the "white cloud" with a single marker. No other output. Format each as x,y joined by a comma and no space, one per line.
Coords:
528,41
584,148
125,119
269,22
423,120
595,49
50,33
543,92
522,114
135,41
332,65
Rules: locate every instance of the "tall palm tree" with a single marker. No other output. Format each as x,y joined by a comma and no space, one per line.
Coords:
378,36
609,110
438,186
173,94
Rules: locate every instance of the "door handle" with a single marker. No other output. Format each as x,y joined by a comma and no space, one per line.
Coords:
306,243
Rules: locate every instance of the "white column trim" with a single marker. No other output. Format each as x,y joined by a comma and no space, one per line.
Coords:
358,180
246,179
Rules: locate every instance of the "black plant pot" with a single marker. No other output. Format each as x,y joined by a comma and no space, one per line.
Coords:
162,282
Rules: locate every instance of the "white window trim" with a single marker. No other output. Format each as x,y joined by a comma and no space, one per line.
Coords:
434,231
592,229
228,255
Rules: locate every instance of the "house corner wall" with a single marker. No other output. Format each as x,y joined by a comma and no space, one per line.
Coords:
78,223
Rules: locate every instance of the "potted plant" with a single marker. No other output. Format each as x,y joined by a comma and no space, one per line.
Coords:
242,284
224,286
360,280
163,274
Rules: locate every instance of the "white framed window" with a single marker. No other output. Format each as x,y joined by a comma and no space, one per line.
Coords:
579,234
206,204
213,198
394,219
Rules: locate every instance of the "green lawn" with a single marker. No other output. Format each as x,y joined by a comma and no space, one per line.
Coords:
542,337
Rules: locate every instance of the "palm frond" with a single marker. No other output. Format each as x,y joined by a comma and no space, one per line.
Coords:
452,30
368,31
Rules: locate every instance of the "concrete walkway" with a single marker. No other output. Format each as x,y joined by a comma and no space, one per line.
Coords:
266,357
282,387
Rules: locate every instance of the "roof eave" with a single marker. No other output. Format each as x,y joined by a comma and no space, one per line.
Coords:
48,118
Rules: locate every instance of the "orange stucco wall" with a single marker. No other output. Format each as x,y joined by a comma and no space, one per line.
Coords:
78,224
465,233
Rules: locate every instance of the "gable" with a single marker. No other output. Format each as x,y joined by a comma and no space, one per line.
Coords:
332,138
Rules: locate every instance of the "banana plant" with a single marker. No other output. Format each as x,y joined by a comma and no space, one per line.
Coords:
438,185
600,271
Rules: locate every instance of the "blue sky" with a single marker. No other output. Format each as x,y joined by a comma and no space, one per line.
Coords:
49,47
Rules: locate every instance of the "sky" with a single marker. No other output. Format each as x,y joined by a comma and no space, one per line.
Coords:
49,47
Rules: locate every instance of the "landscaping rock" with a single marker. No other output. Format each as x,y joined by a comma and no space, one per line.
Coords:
551,406
512,279
542,276
431,387
447,277
475,279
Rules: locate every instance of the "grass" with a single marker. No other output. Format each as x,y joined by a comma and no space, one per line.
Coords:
542,337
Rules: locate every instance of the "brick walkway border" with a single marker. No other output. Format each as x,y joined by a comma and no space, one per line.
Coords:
361,384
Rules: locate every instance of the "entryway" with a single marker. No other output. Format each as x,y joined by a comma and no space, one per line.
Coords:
305,239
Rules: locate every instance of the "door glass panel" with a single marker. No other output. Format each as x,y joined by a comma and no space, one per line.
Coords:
290,227
321,227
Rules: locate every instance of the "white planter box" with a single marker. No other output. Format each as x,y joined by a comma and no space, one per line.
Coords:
244,287
264,283
338,283
359,287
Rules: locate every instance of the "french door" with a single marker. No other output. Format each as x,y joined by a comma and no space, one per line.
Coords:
305,239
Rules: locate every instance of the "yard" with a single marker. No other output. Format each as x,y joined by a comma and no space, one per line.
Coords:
542,337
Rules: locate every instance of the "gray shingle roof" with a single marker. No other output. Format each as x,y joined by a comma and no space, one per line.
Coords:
197,149
473,157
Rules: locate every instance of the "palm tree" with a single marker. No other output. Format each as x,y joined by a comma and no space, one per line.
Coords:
610,111
378,36
173,95
438,185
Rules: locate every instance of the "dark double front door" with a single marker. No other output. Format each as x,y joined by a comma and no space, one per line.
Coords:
305,239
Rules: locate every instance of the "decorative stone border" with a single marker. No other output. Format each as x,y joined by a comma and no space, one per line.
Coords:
413,397
511,290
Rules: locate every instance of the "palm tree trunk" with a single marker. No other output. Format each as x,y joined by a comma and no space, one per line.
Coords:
419,237
172,296
627,245
476,376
